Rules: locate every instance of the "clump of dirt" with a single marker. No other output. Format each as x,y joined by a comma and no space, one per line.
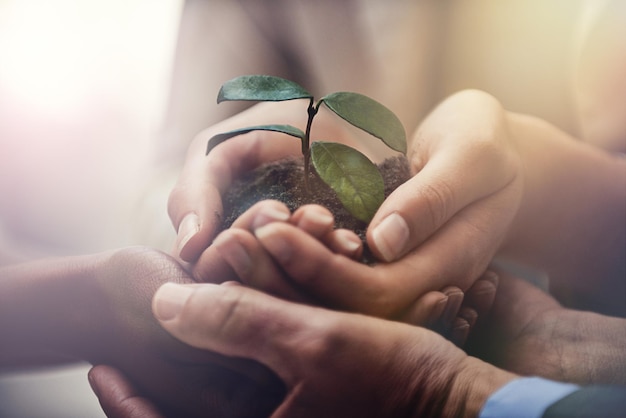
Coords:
283,180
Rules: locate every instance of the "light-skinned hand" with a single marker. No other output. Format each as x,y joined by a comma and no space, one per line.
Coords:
195,205
317,264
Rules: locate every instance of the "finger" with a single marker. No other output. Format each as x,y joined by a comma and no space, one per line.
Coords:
452,167
319,221
459,332
426,311
117,397
262,213
227,258
455,321
384,290
314,219
194,205
469,315
253,265
450,312
344,242
481,295
212,267
419,207
239,322
460,251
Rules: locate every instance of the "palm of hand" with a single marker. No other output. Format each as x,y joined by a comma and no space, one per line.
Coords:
520,334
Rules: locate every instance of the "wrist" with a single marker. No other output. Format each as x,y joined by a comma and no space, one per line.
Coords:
473,385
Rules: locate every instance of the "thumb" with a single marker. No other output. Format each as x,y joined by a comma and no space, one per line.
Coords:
235,321
414,211
195,203
117,397
452,179
458,155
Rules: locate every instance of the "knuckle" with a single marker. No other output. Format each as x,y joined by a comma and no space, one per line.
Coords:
327,335
439,200
226,312
417,152
382,299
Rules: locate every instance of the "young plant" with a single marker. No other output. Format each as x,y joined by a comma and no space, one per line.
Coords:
354,178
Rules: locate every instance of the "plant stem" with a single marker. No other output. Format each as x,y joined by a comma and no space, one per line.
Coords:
306,143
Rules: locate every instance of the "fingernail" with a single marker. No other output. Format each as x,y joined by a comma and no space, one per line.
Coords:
484,286
455,299
391,236
269,214
459,332
277,246
169,300
189,226
347,243
437,311
469,315
317,218
233,252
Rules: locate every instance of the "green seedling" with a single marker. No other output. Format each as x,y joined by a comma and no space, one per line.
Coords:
354,178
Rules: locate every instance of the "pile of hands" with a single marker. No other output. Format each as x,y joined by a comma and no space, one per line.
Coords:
276,315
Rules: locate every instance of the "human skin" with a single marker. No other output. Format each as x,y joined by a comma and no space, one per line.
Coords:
528,332
195,206
525,330
487,183
395,370
490,182
195,203
303,269
486,187
96,308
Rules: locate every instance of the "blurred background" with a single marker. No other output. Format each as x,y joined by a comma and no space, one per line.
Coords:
99,99
83,89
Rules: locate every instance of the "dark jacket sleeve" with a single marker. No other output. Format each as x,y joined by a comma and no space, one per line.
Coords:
591,401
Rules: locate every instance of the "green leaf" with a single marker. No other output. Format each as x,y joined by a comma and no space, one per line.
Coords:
285,129
356,180
370,116
261,87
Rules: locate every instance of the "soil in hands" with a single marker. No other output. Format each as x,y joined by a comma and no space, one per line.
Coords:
283,181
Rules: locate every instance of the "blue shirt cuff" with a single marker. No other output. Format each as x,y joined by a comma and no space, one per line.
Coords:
526,397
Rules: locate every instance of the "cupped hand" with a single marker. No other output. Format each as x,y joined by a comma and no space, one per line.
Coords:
332,363
449,219
195,205
121,332
318,264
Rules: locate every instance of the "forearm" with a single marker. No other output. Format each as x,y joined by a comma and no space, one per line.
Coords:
44,309
571,220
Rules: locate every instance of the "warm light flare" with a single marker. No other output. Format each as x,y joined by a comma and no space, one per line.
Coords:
83,88
43,47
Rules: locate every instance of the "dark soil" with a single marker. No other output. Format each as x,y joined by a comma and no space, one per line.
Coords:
283,181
